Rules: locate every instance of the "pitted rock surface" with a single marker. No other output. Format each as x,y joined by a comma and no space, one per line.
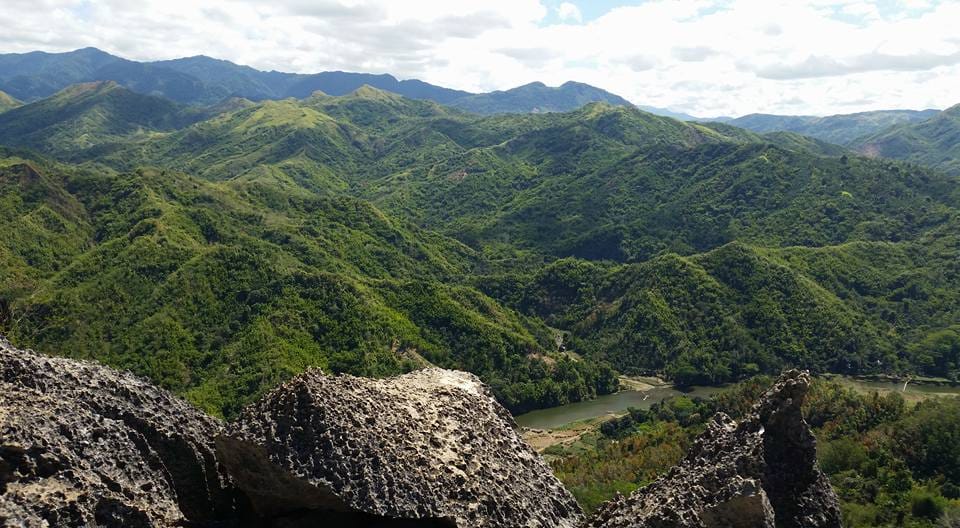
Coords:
760,472
431,444
85,445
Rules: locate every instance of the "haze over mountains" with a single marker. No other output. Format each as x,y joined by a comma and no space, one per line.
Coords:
934,142
840,129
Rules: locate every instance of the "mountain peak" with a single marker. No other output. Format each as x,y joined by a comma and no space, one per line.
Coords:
534,84
369,92
538,97
89,50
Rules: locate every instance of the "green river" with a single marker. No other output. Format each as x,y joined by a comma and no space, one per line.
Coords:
609,404
617,403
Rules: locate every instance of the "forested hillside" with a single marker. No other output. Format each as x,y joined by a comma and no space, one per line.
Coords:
219,291
91,115
221,250
841,129
927,137
934,142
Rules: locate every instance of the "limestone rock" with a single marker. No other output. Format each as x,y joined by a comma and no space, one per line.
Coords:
82,444
760,472
432,444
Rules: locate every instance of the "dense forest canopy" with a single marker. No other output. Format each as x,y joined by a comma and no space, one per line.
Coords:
221,249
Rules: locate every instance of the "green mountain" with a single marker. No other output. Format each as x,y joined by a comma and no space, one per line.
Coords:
739,309
841,129
934,142
219,291
228,78
90,115
7,102
35,75
370,233
615,183
204,80
537,97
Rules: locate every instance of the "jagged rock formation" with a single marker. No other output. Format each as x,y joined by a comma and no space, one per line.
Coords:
85,445
758,473
433,444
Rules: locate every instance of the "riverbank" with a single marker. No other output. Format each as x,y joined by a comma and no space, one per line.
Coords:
566,436
642,383
648,391
567,424
913,390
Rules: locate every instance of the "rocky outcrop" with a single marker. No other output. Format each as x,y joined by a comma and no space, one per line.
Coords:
85,445
432,444
758,473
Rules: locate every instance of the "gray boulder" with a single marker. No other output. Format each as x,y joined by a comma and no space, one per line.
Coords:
432,444
85,445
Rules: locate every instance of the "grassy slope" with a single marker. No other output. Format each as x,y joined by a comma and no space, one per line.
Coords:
7,102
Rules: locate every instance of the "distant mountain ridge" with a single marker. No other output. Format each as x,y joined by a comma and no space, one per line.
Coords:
841,129
202,80
934,142
537,97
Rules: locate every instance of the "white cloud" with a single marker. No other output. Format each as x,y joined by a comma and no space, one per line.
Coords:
818,66
569,12
706,57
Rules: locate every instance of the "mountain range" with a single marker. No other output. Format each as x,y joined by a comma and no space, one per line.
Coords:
934,142
842,129
205,81
927,137
220,250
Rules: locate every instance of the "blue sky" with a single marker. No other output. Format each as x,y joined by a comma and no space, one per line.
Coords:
589,10
705,57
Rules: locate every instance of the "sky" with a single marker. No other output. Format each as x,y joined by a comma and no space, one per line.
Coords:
703,57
